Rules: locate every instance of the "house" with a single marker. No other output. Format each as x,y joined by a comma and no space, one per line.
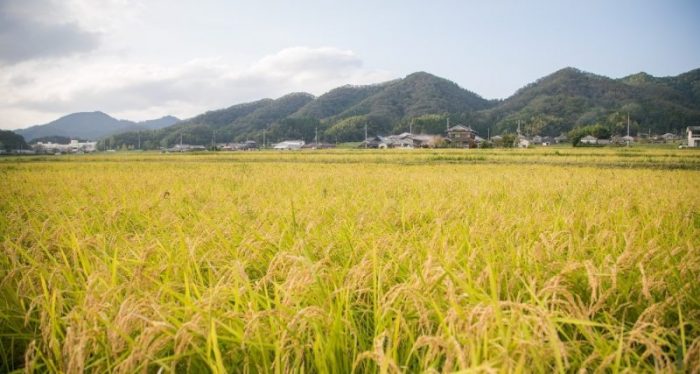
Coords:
404,140
588,139
372,142
628,139
426,141
537,139
693,136
523,142
289,145
668,137
561,138
462,136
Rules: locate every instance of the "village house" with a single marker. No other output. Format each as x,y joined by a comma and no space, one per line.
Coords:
693,136
561,138
371,142
669,138
462,136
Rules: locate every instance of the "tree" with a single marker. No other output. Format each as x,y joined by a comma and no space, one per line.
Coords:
508,140
599,131
9,141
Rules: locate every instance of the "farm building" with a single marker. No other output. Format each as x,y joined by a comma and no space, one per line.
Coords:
693,136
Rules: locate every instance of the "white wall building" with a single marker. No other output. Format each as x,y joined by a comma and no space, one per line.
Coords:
289,144
693,136
72,147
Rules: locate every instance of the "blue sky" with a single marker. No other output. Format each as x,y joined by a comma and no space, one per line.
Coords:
143,59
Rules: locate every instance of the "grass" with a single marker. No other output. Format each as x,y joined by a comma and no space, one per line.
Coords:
346,260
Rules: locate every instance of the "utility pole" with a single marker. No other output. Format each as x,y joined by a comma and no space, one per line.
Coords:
213,139
264,140
488,133
447,126
628,124
410,128
316,137
180,140
366,145
628,129
139,147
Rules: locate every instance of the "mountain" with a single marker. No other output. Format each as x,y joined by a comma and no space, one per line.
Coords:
559,102
155,124
335,114
570,97
91,125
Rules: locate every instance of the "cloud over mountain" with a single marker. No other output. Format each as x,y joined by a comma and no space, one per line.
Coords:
150,90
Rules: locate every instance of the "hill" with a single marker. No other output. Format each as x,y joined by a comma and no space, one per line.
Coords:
564,100
9,141
569,98
91,125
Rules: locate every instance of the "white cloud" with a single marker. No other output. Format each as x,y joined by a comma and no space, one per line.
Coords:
144,91
28,32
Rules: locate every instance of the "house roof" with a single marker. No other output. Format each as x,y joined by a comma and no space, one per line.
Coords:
461,128
694,128
589,137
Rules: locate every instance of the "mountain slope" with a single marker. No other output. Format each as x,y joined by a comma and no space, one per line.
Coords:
337,101
91,125
553,104
570,97
417,94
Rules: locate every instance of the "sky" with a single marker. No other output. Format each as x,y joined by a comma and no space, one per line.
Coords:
144,59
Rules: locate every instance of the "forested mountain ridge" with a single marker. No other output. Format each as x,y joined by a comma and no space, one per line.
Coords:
559,102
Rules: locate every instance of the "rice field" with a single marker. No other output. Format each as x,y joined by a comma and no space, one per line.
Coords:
549,260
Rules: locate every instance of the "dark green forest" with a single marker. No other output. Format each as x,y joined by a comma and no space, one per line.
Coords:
562,102
9,141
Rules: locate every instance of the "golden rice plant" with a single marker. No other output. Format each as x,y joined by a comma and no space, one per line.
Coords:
352,261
